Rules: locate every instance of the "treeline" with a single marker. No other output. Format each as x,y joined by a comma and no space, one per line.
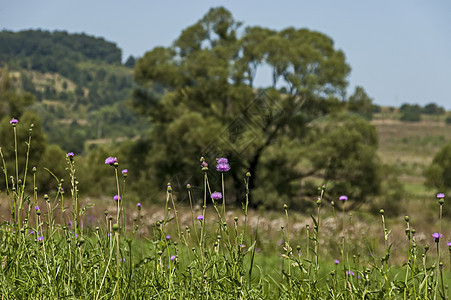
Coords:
413,112
51,51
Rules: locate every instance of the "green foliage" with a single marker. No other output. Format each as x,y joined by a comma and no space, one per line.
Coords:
12,101
438,174
361,103
51,51
392,194
410,112
210,108
433,109
83,83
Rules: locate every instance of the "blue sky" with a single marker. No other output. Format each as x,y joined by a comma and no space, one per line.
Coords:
399,51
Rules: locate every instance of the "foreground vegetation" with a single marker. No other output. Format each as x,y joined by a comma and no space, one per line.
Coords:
49,248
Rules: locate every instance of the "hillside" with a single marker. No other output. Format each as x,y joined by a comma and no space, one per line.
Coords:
80,85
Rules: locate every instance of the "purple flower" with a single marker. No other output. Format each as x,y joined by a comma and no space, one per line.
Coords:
36,208
70,154
437,235
440,195
216,196
173,257
124,172
200,217
110,234
449,244
204,164
168,237
13,121
222,167
336,261
110,160
222,160
349,273
30,231
117,198
343,198
138,206
41,238
122,259
258,250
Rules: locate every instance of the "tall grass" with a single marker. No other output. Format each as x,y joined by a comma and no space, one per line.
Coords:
47,252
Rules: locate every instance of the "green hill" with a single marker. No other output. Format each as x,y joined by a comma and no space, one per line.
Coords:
81,86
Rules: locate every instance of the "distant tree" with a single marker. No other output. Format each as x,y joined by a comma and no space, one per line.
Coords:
130,62
211,108
438,174
361,103
433,109
410,112
12,101
376,109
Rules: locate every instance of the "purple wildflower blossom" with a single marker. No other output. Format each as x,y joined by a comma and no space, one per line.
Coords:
138,206
13,121
70,154
336,261
30,231
216,196
222,160
173,257
110,160
200,217
349,273
343,198
204,164
449,244
117,198
440,195
223,167
168,237
437,235
122,259
36,208
41,238
124,172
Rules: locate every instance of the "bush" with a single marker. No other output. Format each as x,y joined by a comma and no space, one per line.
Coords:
410,112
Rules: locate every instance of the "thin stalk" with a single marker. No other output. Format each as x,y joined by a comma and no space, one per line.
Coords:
16,214
5,172
223,195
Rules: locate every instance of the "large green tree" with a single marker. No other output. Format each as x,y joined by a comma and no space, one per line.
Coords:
201,98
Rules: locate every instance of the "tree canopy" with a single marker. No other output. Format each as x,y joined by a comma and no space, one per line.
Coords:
201,98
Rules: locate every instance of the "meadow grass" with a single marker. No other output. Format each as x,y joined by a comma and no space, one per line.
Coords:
208,251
